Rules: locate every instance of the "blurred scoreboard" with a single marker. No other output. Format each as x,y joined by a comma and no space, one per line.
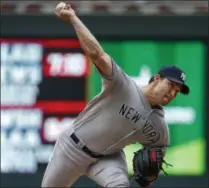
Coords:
43,88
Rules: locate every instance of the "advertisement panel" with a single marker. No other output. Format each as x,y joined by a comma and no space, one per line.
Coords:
185,115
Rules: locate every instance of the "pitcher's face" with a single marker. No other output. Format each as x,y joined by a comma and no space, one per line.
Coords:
165,90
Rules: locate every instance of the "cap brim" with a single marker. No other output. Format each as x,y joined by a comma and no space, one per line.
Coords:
184,90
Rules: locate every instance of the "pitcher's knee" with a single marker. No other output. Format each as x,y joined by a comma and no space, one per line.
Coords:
118,180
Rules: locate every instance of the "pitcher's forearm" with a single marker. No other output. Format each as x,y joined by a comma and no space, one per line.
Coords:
89,43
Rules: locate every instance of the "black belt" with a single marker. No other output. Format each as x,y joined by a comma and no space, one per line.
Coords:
85,149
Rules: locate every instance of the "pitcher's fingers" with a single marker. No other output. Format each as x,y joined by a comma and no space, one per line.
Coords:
67,7
64,12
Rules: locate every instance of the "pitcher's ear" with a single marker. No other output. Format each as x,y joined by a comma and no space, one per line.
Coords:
157,77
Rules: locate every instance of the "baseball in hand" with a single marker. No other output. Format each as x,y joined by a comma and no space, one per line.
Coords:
64,11
60,6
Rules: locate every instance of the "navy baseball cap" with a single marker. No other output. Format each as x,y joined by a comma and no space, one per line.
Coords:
176,75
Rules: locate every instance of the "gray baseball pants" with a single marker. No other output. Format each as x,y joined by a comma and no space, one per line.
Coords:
68,163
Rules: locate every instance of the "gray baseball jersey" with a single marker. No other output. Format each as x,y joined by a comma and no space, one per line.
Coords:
120,115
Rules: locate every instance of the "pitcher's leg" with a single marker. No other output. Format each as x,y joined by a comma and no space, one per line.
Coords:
60,172
110,171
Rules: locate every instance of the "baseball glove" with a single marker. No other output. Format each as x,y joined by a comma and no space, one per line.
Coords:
147,164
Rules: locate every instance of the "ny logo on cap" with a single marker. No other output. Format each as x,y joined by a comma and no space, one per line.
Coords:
183,76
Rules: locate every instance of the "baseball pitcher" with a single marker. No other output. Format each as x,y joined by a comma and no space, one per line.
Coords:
123,113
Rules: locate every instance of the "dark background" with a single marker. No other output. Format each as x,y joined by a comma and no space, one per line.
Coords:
108,26
125,27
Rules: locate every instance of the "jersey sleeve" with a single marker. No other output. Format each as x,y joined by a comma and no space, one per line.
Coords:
118,78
